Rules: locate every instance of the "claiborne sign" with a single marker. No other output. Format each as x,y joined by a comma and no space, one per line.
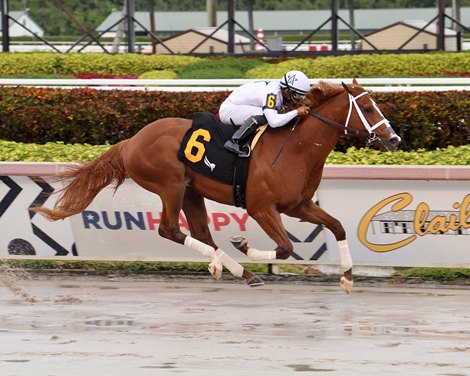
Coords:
420,222
401,222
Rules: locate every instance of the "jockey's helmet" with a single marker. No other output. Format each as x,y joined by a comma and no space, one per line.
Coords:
297,83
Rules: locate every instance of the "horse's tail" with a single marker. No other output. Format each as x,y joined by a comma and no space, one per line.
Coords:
86,181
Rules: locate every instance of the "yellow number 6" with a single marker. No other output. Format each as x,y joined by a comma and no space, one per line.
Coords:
199,146
271,101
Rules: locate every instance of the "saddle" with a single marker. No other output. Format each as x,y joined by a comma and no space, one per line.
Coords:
202,149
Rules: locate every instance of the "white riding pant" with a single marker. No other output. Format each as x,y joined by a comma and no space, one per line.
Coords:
237,114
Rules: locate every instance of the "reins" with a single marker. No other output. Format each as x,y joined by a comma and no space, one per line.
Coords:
287,139
335,124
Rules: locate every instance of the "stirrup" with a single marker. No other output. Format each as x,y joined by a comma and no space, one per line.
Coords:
245,151
241,151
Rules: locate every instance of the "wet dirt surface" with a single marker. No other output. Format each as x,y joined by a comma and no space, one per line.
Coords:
97,325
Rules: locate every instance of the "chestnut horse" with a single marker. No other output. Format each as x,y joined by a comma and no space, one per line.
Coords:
285,171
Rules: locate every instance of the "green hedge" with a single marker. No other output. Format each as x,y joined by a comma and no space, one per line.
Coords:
423,119
219,68
100,63
366,156
384,65
91,116
367,65
59,152
429,119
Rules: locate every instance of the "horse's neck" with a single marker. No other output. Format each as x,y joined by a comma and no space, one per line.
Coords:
319,138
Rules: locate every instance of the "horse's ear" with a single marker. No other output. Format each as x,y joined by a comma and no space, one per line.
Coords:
346,87
355,82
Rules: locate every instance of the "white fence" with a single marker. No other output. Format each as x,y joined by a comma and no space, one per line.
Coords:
413,216
373,84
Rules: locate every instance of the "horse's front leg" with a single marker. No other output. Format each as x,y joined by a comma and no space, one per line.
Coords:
312,213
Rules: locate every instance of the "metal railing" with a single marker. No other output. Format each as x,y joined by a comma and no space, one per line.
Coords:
373,84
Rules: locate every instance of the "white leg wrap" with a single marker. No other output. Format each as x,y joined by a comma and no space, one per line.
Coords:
215,267
202,248
234,267
345,256
256,255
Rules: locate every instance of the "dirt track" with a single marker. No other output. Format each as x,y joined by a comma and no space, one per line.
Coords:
91,325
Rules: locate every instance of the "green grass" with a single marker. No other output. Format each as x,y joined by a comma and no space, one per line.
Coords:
432,274
133,266
436,274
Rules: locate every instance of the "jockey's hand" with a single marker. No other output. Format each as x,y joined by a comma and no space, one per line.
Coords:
283,110
303,111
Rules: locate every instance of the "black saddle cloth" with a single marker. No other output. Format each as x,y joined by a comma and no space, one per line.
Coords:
203,149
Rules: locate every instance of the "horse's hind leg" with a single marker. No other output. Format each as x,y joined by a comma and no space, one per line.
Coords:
169,228
196,216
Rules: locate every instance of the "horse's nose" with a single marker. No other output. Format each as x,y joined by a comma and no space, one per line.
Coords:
393,138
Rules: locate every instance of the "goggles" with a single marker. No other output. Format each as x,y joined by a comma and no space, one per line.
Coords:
296,96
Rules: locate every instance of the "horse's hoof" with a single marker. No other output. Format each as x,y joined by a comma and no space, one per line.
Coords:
215,269
346,285
238,241
255,281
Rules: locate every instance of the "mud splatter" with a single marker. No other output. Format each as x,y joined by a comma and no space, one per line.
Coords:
307,368
10,277
162,366
67,299
391,345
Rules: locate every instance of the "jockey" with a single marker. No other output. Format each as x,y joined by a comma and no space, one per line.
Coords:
256,103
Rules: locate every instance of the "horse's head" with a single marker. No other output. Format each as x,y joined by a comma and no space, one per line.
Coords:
365,117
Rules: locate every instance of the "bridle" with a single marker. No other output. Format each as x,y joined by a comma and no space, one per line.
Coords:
353,102
371,136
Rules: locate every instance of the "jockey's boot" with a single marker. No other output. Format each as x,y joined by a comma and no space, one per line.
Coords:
238,143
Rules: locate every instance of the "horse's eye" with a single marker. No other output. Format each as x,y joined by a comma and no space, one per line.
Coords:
368,109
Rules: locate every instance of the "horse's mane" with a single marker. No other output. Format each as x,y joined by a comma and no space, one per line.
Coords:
321,92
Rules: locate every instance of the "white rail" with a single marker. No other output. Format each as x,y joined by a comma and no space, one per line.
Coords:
373,84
